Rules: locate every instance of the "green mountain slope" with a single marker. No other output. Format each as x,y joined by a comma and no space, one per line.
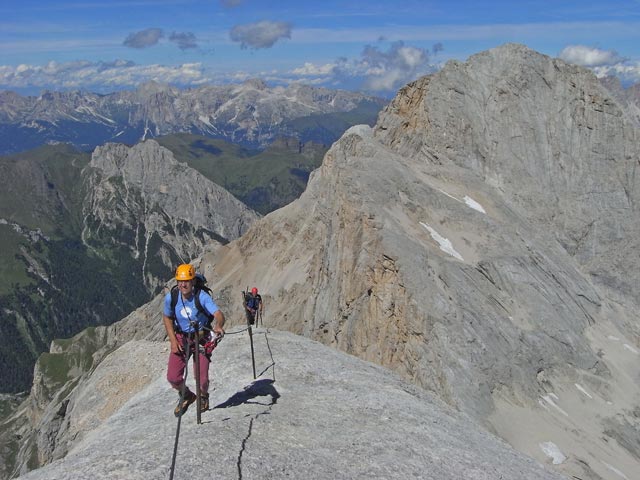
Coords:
265,181
41,199
51,285
326,128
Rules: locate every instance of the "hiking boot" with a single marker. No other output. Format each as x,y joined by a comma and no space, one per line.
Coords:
204,402
183,404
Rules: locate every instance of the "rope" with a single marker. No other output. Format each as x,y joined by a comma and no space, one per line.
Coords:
228,333
273,362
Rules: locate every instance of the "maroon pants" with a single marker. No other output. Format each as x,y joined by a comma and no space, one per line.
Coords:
178,363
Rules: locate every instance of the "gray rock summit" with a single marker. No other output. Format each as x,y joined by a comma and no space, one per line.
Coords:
547,138
480,242
158,210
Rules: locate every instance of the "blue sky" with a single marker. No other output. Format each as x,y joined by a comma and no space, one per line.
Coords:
375,46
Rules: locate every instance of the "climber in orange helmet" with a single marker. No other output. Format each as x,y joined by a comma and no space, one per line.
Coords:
189,308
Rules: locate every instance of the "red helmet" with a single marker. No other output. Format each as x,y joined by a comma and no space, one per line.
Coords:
254,291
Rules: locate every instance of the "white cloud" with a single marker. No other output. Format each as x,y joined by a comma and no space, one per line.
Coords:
627,72
379,71
385,80
376,70
412,57
102,77
262,34
602,62
589,56
313,70
388,70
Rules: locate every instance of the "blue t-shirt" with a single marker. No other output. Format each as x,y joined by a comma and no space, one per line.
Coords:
186,310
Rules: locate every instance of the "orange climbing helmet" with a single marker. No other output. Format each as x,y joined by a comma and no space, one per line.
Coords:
185,272
254,291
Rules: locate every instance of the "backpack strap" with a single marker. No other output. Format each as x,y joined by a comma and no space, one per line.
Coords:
199,306
174,302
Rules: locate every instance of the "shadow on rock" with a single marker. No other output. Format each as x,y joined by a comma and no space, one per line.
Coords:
259,388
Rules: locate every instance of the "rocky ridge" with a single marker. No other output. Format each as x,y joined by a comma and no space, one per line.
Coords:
46,425
548,138
313,412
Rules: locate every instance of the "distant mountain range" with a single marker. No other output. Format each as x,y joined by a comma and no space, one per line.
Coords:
251,114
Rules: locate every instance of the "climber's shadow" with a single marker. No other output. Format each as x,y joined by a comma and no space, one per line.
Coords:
259,388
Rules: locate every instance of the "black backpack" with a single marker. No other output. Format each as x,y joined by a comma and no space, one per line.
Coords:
252,302
201,284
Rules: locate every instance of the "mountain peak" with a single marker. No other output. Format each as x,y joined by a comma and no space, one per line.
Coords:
251,114
472,243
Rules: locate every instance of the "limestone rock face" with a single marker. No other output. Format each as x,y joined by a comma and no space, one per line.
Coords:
547,137
479,241
628,97
163,213
63,405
